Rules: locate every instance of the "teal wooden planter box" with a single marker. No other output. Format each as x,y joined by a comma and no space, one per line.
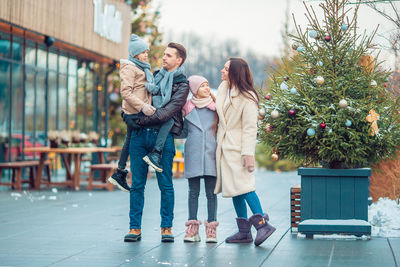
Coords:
334,201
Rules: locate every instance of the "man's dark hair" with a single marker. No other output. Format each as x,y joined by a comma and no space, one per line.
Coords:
181,51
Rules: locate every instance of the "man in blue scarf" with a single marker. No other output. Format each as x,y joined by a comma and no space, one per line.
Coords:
170,90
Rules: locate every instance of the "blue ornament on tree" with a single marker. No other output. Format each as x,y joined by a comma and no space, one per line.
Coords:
348,123
293,91
387,79
310,132
344,27
114,97
320,63
284,86
300,49
313,33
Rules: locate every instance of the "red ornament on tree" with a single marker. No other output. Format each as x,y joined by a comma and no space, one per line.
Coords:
322,125
268,97
327,38
291,112
287,78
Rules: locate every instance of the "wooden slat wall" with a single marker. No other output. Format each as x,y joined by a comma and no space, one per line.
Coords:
68,20
5,9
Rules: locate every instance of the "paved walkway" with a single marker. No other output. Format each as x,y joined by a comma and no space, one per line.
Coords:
86,229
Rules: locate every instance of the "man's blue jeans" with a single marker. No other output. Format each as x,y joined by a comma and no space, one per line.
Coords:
142,143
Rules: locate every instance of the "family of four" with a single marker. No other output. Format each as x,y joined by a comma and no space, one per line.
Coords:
220,142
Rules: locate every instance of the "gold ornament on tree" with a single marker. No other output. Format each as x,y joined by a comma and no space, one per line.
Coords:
275,157
367,63
373,118
343,103
261,113
275,114
320,80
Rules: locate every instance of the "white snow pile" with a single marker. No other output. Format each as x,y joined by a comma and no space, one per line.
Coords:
335,237
384,217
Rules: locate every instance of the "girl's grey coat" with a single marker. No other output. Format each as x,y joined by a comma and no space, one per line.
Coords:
200,144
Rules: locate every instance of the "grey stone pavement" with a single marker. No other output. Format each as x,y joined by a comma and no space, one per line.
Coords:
81,228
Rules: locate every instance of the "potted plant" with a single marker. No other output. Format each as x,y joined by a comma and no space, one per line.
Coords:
65,138
83,138
53,137
93,138
332,113
76,138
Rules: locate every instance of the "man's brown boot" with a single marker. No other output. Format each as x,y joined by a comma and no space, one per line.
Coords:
133,235
166,234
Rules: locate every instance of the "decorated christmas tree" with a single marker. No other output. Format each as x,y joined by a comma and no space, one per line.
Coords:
333,108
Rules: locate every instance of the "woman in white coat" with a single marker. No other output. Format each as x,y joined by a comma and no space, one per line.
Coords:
237,108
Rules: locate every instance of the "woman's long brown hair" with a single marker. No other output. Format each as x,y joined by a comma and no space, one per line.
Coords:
240,76
216,120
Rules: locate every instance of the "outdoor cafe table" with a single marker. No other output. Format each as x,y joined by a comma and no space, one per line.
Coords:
72,179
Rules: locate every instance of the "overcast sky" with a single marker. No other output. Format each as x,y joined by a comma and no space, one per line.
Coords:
256,23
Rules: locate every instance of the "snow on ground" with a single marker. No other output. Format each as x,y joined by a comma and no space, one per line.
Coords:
384,217
335,237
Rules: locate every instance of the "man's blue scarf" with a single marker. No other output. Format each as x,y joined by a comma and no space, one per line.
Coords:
163,81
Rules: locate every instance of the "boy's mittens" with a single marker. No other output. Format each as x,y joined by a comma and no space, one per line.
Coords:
148,110
131,122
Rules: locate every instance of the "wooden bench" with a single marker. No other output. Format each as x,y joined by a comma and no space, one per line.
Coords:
114,158
106,170
295,208
17,166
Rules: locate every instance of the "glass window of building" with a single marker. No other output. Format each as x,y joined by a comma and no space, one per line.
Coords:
90,79
62,64
62,102
17,113
42,57
72,92
4,109
72,101
72,66
81,101
53,59
5,45
17,48
30,53
52,100
40,107
30,100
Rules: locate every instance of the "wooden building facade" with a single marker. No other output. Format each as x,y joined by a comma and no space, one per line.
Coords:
55,57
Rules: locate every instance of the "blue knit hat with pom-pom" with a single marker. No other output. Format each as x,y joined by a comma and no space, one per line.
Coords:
136,45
